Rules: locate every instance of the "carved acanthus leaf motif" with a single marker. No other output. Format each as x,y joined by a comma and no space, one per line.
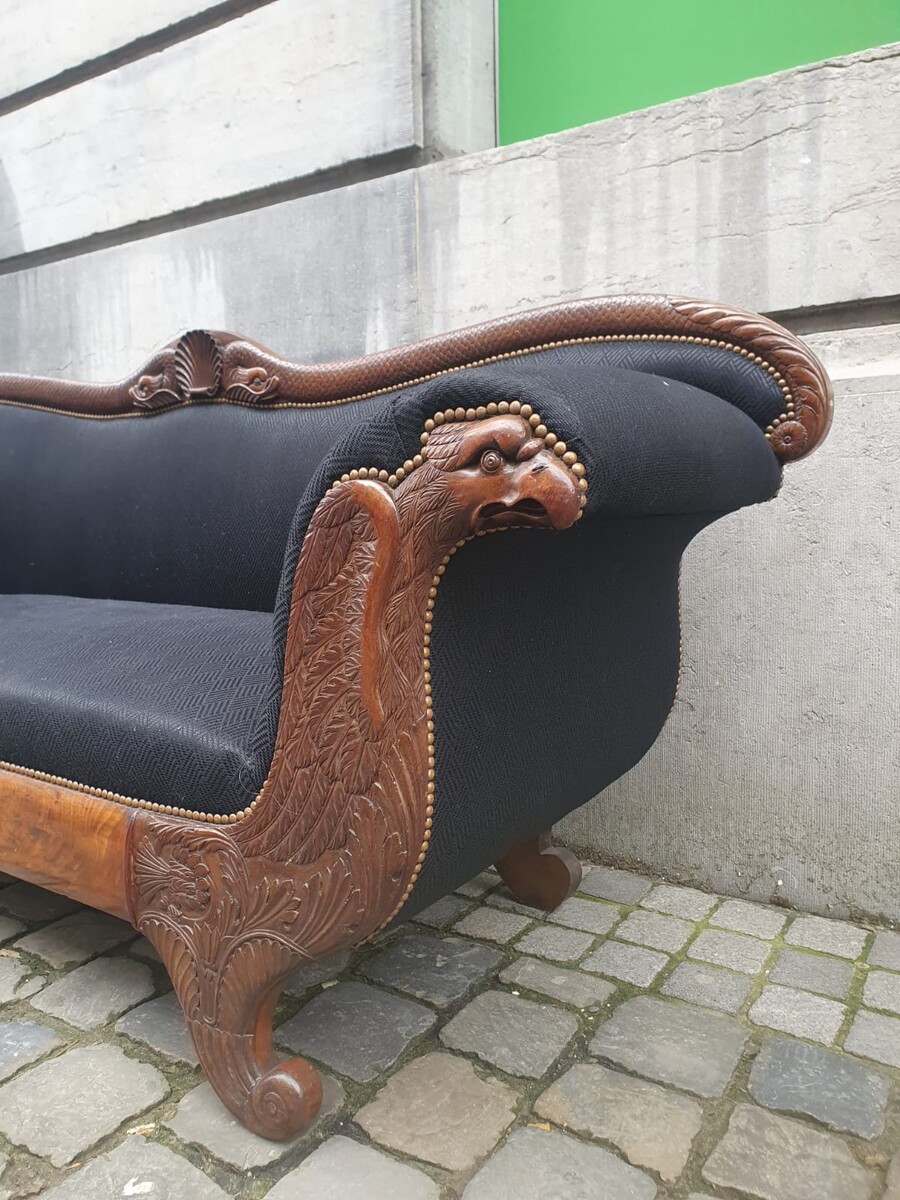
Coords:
175,878
195,885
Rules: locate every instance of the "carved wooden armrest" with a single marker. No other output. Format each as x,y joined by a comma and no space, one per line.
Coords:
332,847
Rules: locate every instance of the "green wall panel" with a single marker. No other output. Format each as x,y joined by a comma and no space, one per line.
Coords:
566,62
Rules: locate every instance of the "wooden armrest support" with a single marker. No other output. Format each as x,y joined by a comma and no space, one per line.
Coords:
331,849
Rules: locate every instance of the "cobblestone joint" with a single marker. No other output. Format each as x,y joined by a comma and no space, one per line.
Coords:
662,1040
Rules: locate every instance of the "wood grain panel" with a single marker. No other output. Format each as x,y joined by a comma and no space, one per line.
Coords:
65,841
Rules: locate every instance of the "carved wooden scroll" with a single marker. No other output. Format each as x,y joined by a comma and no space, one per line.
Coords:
214,367
802,378
197,371
332,848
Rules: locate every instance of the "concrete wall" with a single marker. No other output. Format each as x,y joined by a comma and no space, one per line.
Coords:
324,276
778,772
777,194
257,101
234,114
58,36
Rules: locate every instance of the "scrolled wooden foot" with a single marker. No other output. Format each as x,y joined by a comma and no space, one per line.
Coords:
284,1100
274,1099
540,874
225,928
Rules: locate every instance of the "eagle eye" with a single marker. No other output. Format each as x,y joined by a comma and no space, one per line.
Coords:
491,460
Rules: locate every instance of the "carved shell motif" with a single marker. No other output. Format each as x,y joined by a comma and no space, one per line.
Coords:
199,367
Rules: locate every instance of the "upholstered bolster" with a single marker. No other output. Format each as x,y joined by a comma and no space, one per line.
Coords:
170,497
650,445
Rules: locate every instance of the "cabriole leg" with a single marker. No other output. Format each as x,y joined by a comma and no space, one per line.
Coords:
275,1099
539,873
225,928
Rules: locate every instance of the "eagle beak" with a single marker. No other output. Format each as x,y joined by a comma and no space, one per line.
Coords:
542,491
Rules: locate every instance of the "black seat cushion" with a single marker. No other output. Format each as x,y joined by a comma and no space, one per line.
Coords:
154,701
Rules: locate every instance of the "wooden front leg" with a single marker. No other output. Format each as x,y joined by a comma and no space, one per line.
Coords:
229,929
540,874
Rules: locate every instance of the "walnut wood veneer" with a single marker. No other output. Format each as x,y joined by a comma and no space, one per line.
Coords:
331,848
61,840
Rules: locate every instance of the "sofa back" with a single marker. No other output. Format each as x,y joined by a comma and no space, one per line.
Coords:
179,484
190,506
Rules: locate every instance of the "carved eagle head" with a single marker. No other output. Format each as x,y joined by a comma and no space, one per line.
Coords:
500,475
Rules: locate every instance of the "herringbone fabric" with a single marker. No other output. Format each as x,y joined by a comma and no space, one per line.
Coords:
194,506
555,662
154,701
175,537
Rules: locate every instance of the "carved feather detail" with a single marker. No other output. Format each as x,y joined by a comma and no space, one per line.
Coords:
331,850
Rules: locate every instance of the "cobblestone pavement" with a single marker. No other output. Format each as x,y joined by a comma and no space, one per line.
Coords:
644,1040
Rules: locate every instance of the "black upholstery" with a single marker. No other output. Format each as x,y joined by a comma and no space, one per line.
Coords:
139,688
650,446
154,701
555,667
153,508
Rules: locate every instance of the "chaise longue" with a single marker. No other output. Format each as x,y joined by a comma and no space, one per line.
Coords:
266,684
